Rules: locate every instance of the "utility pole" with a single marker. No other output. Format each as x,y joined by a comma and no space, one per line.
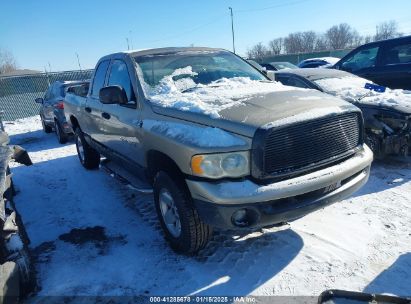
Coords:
232,27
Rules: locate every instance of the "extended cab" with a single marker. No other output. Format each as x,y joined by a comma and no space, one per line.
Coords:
222,145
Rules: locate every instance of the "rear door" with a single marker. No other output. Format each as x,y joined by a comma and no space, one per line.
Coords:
121,122
93,120
396,64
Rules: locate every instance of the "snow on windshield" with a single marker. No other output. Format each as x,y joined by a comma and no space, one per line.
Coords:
179,91
352,89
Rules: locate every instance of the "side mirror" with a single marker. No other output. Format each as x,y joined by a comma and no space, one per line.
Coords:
271,75
39,100
113,95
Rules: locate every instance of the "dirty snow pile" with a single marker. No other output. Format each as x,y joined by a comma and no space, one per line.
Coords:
91,235
352,89
184,94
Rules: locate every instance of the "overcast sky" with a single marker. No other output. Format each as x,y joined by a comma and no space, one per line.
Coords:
49,33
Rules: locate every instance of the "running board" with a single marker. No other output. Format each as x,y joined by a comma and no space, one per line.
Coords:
125,177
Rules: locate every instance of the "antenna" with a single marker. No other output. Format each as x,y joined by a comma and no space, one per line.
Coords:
232,26
49,66
128,45
131,39
78,61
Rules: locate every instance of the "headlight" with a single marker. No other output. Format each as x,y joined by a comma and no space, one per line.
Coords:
234,164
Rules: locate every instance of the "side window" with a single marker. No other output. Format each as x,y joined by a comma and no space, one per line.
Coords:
362,59
99,77
119,76
48,94
295,82
282,79
58,90
397,54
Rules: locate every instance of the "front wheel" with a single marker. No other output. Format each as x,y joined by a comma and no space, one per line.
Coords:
181,224
89,157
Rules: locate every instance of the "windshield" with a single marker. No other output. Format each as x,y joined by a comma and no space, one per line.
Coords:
207,66
284,65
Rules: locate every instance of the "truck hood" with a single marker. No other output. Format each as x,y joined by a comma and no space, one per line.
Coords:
272,109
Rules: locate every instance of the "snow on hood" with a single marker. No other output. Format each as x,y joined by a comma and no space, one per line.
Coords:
185,95
194,135
308,115
352,89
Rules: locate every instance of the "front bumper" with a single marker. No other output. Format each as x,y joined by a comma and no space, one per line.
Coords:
282,201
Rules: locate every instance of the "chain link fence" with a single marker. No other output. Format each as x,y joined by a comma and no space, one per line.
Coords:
17,93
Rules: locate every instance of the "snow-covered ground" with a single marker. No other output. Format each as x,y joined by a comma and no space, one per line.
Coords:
92,235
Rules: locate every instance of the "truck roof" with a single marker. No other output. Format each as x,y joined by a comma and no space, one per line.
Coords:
156,51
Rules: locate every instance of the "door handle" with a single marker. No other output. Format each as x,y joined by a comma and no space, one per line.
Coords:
105,115
88,110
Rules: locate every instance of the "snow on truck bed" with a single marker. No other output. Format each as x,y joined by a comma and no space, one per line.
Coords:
92,235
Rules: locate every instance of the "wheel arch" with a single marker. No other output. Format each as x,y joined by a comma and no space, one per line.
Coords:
159,161
74,123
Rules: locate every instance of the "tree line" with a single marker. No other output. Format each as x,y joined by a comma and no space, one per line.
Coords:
341,36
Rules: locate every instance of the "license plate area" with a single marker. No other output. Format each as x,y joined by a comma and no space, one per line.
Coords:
332,187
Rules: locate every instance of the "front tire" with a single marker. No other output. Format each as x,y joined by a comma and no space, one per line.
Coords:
89,157
61,136
183,229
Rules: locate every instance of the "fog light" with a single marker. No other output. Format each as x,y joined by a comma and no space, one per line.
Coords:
239,218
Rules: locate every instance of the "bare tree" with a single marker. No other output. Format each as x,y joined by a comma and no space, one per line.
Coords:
275,46
258,52
7,62
341,36
293,43
387,30
321,43
300,42
367,39
309,40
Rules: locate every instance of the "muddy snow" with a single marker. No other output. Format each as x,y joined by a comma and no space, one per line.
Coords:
92,235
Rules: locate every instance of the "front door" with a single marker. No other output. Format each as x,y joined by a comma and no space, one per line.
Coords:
93,119
122,122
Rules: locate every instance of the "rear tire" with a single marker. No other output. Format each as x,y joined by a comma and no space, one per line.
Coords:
61,136
46,128
185,232
89,157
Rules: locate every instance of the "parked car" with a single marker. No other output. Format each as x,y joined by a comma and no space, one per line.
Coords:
387,113
387,62
221,144
324,62
52,109
276,66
